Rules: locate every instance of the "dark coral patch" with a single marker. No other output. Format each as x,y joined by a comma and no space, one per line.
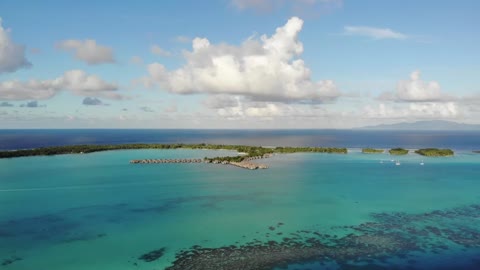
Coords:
152,255
366,246
10,260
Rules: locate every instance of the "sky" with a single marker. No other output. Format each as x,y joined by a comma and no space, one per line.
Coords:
232,64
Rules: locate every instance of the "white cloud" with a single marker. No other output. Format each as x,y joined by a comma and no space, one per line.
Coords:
236,107
12,56
155,49
268,110
88,51
373,32
75,81
267,69
381,111
472,102
416,90
33,89
79,82
426,110
433,109
243,109
220,101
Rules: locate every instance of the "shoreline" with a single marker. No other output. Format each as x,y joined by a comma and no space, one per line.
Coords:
243,151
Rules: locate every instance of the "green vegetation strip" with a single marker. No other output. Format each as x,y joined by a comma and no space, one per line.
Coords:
434,152
372,151
329,150
251,151
398,151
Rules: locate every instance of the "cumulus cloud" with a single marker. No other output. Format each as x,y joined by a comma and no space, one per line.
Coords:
237,107
83,84
155,49
89,101
414,110
220,101
12,56
268,110
6,104
373,32
416,99
472,102
268,69
75,81
245,109
88,51
432,109
416,90
311,115
33,89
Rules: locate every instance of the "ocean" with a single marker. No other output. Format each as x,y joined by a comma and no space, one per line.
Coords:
307,211
464,140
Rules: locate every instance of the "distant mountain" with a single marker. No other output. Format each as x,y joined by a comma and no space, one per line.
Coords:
425,125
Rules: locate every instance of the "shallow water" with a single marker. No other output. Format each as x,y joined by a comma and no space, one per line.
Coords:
97,211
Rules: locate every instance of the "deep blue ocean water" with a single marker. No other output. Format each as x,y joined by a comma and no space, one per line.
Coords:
465,140
97,211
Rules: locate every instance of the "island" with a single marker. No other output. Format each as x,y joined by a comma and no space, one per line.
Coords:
476,151
434,152
372,151
398,151
243,160
84,149
250,153
329,150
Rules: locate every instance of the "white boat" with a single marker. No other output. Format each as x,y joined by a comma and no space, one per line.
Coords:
397,163
422,163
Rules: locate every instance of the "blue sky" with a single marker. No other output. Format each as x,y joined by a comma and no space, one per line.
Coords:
259,63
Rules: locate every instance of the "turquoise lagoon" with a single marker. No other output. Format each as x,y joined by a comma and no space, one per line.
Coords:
97,211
